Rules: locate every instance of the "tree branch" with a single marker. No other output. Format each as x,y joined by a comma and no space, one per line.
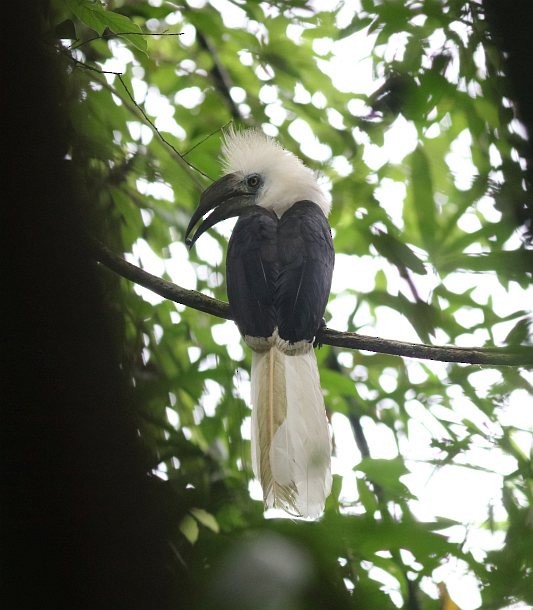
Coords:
190,298
515,356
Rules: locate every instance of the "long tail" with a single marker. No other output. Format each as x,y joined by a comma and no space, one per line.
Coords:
291,444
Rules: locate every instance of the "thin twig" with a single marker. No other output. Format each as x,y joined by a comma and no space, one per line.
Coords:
207,137
516,356
82,64
160,135
139,109
75,46
404,273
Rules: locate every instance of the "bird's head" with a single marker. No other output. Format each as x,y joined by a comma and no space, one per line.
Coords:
258,171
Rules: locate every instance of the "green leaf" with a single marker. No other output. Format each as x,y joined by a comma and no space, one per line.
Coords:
368,498
189,528
423,203
386,474
398,252
206,519
98,19
520,333
66,30
90,13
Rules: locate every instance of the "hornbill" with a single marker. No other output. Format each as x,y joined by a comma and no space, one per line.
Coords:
278,274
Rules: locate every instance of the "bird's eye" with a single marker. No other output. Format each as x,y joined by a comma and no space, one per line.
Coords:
253,181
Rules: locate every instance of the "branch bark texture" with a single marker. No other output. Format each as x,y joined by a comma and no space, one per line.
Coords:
512,356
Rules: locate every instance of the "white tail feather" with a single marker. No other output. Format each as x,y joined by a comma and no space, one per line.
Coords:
291,445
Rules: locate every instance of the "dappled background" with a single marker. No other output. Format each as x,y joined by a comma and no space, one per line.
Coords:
405,111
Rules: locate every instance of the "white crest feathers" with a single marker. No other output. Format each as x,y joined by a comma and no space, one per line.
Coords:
286,178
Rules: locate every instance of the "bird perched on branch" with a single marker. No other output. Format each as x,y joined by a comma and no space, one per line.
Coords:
278,273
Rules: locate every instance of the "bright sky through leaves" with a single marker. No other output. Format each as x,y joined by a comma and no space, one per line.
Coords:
458,493
410,212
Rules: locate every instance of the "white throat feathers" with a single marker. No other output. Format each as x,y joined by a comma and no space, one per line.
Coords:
286,179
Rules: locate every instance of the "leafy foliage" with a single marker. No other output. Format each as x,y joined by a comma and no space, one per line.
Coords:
423,240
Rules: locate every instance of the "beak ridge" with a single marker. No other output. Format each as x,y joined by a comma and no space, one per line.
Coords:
230,198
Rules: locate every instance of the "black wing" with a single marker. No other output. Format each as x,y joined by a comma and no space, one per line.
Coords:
251,271
306,257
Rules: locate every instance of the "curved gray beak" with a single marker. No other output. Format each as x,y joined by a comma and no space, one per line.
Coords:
227,197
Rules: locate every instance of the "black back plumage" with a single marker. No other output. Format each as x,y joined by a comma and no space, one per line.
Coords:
279,272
